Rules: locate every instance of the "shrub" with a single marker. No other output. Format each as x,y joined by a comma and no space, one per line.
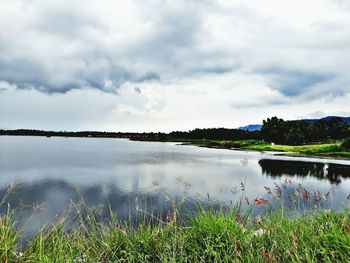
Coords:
346,144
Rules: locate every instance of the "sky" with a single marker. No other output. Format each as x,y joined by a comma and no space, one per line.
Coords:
163,65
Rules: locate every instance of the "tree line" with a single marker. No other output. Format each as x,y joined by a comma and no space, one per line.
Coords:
216,134
32,132
273,130
303,131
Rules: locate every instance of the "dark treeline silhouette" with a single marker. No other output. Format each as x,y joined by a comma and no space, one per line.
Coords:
216,134
304,131
273,130
211,134
331,172
27,132
30,198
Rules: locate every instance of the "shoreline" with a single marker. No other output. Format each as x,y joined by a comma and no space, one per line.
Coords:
233,145
330,155
335,155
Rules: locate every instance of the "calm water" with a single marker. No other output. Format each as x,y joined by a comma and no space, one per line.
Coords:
51,172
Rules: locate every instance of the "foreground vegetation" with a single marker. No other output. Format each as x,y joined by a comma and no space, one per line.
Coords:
207,237
291,225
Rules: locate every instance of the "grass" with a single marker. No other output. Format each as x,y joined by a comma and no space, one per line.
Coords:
280,234
324,149
263,146
334,149
206,237
310,148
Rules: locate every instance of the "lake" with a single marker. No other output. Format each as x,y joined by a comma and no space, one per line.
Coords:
130,176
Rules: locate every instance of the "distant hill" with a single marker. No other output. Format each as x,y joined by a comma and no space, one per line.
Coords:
345,119
251,127
257,127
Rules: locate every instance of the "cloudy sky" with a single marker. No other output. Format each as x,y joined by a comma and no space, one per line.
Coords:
162,65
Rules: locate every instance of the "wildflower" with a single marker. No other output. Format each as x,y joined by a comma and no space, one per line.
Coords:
278,191
292,254
268,190
239,218
257,220
284,184
269,257
289,181
306,195
291,199
120,228
327,195
260,232
296,192
261,201
82,259
296,240
300,188
347,228
168,216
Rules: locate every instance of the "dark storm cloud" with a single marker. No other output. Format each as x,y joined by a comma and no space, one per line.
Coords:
55,47
67,47
27,74
293,83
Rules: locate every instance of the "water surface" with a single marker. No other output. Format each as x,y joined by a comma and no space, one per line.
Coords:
50,173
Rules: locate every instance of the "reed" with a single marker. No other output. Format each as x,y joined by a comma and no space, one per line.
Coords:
207,235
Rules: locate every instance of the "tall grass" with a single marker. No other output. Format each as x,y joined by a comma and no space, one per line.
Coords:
208,235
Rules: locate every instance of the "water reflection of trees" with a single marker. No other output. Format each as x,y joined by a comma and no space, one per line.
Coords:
331,172
47,201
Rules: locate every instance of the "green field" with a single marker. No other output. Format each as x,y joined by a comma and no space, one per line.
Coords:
327,149
333,149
